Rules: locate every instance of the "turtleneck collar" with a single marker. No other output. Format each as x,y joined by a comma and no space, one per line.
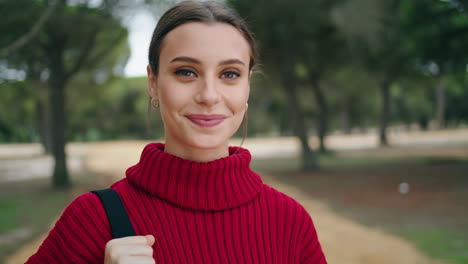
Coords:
216,185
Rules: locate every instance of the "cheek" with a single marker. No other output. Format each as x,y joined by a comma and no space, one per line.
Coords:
238,97
172,96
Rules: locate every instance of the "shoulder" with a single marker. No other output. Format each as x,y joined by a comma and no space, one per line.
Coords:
281,198
84,203
85,215
90,204
283,203
85,212
78,236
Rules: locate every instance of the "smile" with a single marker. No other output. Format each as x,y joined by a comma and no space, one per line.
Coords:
206,120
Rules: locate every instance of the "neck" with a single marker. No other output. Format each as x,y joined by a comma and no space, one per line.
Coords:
192,153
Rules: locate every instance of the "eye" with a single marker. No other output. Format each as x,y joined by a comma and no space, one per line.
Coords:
230,75
185,73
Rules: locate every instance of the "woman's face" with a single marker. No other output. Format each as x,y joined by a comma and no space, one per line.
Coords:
202,84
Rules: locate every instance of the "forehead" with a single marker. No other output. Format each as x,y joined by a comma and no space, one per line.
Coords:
206,42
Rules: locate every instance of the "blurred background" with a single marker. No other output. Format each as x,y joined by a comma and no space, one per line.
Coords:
358,109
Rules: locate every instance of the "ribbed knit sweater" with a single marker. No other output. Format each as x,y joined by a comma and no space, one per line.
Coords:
198,212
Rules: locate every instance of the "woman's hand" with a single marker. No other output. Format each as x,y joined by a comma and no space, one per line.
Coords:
130,250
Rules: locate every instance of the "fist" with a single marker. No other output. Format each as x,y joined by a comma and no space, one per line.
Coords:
130,250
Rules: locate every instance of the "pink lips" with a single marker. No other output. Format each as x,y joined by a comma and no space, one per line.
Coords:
206,120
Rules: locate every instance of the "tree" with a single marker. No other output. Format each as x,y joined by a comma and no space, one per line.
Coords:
351,95
442,46
382,46
70,49
299,45
322,53
31,34
75,37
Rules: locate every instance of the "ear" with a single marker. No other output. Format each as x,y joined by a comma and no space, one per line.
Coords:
152,88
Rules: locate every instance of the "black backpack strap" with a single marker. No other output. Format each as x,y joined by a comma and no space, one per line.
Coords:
118,217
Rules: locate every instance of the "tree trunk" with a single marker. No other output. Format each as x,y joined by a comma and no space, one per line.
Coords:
43,125
345,118
440,102
423,122
60,178
42,115
384,112
309,159
40,96
323,114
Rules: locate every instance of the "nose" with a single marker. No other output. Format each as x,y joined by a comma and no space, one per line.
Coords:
208,92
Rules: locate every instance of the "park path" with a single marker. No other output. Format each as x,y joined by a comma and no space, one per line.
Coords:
343,240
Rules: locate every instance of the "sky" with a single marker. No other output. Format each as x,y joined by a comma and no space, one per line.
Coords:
140,28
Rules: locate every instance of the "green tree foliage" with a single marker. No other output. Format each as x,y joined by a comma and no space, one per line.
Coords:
401,40
17,112
288,33
74,38
349,108
383,48
329,56
439,31
115,110
325,66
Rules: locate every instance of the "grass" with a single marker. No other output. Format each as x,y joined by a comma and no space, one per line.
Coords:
441,243
29,209
30,205
8,215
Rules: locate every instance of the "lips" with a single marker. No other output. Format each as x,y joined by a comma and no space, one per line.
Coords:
206,120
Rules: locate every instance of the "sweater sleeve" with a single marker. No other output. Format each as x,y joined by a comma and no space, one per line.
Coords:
310,250
79,235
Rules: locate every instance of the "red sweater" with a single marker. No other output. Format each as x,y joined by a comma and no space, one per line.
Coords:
199,212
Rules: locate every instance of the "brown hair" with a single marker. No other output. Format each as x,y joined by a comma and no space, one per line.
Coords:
194,11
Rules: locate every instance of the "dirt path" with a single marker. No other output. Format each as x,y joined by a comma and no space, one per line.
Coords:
344,241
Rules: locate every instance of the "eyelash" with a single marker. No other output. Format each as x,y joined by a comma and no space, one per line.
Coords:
236,74
185,72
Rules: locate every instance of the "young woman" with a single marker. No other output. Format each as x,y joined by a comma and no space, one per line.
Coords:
192,199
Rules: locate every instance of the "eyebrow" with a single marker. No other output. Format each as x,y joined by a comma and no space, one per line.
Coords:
193,60
231,61
186,59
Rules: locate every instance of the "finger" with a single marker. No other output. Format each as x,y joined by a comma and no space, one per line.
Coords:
141,251
131,250
150,240
137,260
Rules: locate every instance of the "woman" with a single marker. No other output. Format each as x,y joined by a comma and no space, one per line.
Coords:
193,199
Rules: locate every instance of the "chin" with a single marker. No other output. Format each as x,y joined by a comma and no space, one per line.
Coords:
209,141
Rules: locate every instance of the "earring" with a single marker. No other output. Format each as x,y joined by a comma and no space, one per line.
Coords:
246,106
155,106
